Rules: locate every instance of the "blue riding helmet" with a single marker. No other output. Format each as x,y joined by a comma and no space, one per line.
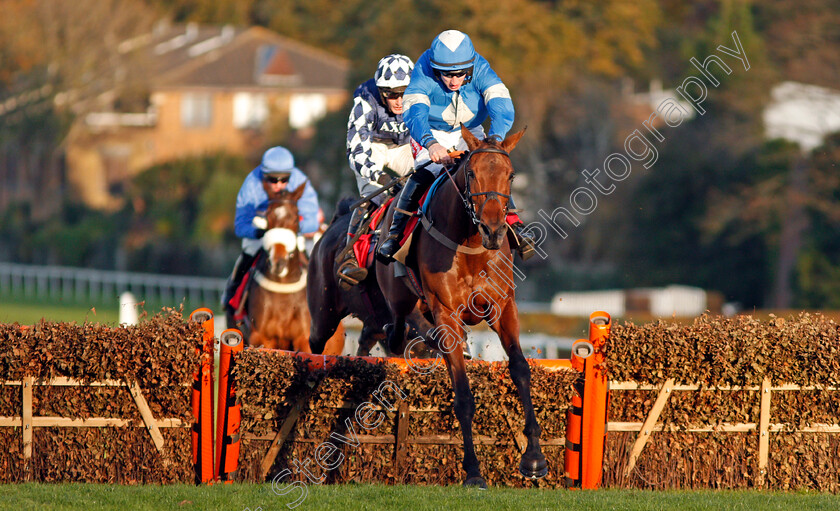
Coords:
452,50
277,161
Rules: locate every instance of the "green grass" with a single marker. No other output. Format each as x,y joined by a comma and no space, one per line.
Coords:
29,313
239,497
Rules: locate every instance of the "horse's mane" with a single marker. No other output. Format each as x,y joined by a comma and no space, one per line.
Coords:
343,207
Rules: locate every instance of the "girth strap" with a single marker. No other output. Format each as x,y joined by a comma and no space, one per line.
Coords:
446,242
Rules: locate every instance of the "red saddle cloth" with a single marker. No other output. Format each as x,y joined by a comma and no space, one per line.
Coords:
363,247
236,299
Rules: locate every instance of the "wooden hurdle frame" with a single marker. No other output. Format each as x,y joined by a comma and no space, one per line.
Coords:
764,427
27,422
587,361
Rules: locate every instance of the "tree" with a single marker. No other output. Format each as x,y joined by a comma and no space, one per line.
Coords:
818,265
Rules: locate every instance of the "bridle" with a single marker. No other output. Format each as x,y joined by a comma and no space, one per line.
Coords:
467,196
293,254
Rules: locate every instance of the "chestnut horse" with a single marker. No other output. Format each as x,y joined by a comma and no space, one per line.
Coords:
464,263
277,311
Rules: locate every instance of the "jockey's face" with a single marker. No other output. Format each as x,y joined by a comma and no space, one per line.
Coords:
393,99
275,183
453,80
395,105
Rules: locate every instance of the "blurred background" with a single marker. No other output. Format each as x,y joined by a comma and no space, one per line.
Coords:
127,127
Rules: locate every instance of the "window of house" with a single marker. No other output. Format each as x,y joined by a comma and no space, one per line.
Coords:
196,110
305,109
249,110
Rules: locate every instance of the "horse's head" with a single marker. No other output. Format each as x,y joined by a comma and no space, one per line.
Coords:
280,240
488,176
282,211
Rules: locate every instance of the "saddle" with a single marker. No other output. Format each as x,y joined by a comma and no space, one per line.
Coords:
365,243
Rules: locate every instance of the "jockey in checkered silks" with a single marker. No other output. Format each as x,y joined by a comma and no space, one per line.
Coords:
376,138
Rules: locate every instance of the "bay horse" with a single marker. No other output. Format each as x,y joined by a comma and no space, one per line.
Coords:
276,305
329,304
463,261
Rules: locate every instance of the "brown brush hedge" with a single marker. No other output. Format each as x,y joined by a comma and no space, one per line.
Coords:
712,352
735,352
159,354
270,383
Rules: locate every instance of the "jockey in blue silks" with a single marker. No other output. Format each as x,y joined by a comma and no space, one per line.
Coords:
276,172
451,85
376,138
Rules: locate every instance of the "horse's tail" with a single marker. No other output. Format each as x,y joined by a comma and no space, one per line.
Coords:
343,207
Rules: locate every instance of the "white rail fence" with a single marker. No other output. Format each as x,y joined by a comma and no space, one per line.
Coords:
86,286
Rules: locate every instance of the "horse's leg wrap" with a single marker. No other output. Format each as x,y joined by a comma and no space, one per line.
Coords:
408,201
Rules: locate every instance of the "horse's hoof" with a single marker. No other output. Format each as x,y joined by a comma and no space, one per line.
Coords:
533,468
476,482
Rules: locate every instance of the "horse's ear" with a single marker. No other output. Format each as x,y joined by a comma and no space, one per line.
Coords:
510,142
297,193
469,138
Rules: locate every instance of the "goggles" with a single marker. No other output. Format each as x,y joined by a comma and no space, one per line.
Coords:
276,179
458,73
392,94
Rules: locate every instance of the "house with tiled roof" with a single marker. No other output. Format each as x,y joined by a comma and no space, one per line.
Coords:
199,90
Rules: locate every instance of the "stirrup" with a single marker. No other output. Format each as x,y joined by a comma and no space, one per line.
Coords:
526,249
354,275
524,244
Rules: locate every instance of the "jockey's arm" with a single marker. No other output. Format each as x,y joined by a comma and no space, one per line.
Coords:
359,140
246,208
497,100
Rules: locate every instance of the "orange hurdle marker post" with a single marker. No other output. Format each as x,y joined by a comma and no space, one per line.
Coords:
573,458
228,411
202,402
595,403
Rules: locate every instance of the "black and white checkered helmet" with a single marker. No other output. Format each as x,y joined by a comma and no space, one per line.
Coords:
393,71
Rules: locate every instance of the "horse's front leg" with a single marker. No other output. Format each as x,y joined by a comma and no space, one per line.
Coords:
533,464
447,337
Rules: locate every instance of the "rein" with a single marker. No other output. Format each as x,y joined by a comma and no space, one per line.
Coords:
466,196
467,199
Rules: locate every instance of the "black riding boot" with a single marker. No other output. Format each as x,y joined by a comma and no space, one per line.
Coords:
409,199
523,240
349,272
240,268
